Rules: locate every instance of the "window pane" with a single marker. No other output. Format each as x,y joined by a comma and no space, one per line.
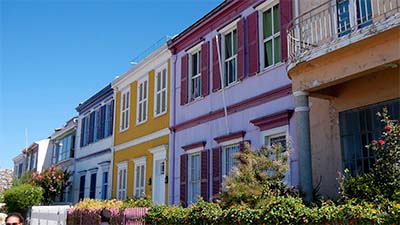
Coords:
164,78
194,64
268,53
159,81
163,101
276,18
228,45
267,23
277,49
234,37
145,90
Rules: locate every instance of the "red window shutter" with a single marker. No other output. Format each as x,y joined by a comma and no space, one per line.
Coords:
184,76
242,144
240,54
204,175
252,39
205,68
216,72
285,11
217,171
183,184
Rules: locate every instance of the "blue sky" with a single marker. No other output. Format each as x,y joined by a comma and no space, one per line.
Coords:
55,54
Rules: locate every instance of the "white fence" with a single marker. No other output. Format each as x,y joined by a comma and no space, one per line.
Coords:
49,215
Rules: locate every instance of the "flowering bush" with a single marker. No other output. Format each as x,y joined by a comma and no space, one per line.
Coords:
53,180
383,180
88,203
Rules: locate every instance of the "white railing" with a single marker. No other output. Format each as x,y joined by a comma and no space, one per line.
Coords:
49,215
334,20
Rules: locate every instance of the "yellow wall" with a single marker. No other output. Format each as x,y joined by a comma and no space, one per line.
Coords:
152,124
137,151
134,131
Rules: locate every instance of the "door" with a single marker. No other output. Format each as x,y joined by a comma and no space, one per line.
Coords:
159,181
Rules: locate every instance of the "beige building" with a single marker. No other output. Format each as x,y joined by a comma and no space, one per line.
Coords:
344,58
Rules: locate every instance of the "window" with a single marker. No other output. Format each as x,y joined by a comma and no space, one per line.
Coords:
104,187
358,127
142,96
100,122
121,182
125,104
277,135
64,148
346,18
227,158
92,193
195,75
82,187
20,168
194,177
140,177
229,55
109,119
160,92
271,40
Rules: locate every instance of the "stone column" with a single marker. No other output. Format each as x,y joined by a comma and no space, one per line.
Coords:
302,111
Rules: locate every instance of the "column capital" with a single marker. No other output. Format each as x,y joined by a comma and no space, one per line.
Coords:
301,93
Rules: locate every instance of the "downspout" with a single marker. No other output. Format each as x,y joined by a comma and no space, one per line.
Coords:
112,144
222,86
173,122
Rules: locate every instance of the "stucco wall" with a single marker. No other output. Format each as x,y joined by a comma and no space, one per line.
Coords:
153,123
131,153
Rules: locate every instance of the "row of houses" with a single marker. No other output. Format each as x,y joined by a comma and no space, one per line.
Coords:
309,73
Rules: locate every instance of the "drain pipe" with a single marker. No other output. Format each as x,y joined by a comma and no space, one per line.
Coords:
222,86
172,137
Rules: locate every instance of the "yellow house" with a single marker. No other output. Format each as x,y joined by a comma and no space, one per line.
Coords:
140,165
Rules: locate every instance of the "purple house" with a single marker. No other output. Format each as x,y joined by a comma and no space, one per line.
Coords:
229,86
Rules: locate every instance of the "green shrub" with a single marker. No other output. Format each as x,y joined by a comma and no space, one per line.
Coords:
20,198
164,215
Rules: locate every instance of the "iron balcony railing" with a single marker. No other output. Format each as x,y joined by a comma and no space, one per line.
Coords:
335,20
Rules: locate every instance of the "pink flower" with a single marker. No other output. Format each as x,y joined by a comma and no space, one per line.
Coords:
373,142
381,142
388,128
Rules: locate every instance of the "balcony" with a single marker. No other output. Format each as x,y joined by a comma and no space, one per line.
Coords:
336,24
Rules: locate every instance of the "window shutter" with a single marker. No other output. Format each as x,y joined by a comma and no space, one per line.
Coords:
253,49
111,118
216,160
205,68
204,175
91,126
285,11
183,185
240,54
82,130
242,144
184,76
216,73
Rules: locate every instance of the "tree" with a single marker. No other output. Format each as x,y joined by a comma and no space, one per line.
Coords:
257,176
